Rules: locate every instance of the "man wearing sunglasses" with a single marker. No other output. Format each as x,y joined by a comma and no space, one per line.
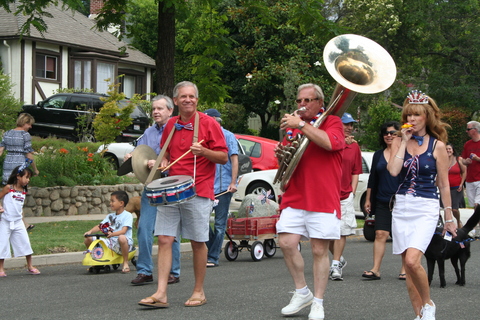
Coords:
471,158
311,202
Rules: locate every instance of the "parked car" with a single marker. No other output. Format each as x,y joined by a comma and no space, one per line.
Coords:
260,150
262,181
116,152
59,115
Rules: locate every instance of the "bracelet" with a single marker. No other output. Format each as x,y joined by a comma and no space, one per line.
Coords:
399,157
447,221
447,208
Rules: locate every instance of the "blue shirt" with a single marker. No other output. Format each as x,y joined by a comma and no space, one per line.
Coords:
118,221
223,172
151,137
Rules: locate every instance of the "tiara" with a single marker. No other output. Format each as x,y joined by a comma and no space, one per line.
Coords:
417,97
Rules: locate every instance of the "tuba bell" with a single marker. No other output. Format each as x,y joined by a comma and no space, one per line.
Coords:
359,65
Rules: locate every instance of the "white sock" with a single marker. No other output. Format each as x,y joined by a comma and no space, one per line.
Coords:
303,291
318,300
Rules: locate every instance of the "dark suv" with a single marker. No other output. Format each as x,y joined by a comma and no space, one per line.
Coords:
61,115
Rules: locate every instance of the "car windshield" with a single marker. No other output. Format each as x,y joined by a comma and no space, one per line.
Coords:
137,111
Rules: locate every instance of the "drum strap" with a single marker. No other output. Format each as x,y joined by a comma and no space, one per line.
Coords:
164,149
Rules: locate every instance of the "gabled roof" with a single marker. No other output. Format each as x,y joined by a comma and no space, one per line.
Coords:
72,29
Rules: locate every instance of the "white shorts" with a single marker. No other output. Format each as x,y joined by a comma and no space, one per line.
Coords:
309,224
190,219
114,245
349,222
473,193
16,234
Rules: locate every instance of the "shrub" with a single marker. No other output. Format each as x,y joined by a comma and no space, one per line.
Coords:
65,163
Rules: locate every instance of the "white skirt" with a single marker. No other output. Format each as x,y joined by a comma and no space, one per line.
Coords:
414,220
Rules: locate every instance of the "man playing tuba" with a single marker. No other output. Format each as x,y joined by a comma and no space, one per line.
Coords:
304,216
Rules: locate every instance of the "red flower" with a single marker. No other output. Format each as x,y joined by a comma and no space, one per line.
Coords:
63,151
90,155
89,159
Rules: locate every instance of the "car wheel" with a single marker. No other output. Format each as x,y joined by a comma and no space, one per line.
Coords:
259,187
86,137
112,159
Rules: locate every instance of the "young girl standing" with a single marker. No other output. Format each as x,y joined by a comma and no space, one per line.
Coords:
12,228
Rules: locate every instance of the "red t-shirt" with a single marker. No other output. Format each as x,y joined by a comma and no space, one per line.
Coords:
473,169
209,131
315,183
455,175
351,165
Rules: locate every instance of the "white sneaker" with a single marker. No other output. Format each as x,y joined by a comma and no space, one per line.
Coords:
417,318
343,263
316,312
336,273
428,312
297,303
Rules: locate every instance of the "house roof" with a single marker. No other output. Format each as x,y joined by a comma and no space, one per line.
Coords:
72,29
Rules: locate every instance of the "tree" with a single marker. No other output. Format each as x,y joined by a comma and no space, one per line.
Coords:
274,53
9,105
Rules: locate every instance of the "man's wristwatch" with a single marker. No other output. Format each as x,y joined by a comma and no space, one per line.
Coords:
301,124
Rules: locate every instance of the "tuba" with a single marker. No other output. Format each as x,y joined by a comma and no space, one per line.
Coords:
359,65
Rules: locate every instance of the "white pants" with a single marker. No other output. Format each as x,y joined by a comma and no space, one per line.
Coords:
15,233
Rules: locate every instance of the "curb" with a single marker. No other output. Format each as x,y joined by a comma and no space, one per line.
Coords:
77,257
66,258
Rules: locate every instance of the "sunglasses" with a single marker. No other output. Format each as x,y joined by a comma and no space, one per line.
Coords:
391,133
468,129
307,100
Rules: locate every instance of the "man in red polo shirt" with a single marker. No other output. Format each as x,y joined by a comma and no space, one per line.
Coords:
190,218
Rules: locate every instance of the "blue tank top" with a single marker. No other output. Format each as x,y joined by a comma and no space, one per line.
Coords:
419,174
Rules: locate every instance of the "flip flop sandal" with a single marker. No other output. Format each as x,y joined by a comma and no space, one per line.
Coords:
402,276
154,304
372,276
34,271
30,227
201,302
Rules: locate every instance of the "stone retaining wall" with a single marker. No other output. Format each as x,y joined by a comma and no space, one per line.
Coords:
63,201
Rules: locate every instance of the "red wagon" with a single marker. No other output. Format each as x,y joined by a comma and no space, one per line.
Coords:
251,229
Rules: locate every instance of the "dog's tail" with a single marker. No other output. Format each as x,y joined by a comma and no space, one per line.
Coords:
462,233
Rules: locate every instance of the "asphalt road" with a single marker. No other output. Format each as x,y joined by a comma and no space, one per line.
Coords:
241,289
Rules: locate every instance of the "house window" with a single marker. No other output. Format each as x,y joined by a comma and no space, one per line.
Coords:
82,74
46,66
104,71
131,84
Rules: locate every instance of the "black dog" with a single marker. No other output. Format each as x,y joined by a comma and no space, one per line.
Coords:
440,250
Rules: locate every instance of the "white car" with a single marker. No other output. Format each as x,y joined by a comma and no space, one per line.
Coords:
259,181
116,152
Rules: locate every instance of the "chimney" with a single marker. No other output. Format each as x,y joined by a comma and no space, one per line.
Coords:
95,6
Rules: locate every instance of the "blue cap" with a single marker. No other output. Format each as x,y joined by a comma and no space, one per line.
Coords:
212,113
347,118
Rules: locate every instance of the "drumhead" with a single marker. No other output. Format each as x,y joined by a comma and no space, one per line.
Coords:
167,182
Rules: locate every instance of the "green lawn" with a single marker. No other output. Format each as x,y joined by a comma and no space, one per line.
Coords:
67,236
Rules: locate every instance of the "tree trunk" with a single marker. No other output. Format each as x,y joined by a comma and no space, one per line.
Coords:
165,60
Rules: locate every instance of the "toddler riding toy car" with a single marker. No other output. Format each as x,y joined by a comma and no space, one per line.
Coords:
100,257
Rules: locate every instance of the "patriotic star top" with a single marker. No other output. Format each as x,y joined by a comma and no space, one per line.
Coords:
419,173
13,205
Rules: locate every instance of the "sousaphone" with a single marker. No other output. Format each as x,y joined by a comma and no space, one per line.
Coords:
359,65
